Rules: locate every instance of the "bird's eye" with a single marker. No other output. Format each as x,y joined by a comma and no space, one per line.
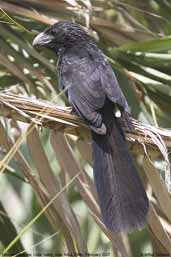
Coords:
49,31
53,32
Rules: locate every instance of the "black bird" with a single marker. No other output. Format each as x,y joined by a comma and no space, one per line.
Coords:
94,92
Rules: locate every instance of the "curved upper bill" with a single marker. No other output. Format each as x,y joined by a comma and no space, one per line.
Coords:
42,39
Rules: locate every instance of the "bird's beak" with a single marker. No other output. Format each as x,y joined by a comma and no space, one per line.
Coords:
42,39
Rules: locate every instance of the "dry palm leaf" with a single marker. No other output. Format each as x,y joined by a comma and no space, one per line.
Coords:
155,141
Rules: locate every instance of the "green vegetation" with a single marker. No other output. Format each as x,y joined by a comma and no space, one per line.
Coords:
48,199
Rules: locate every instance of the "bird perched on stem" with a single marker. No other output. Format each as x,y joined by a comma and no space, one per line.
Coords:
94,92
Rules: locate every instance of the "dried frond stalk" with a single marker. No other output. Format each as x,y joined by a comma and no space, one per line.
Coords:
50,115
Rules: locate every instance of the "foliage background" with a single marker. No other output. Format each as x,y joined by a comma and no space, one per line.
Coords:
135,35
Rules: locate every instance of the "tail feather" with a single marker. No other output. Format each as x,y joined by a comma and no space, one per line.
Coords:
122,198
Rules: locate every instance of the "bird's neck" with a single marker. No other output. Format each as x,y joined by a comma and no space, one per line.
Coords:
80,49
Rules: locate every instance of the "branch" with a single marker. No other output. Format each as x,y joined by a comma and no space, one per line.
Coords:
47,114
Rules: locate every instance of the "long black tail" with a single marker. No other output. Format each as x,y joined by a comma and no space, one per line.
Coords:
122,198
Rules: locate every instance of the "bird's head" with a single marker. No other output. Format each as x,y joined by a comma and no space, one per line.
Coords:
61,34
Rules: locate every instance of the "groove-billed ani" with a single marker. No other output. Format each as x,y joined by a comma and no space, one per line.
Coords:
93,91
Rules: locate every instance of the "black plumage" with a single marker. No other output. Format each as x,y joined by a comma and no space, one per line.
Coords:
93,91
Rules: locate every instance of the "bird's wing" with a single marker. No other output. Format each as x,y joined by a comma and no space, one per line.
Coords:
111,86
89,83
95,79
82,79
